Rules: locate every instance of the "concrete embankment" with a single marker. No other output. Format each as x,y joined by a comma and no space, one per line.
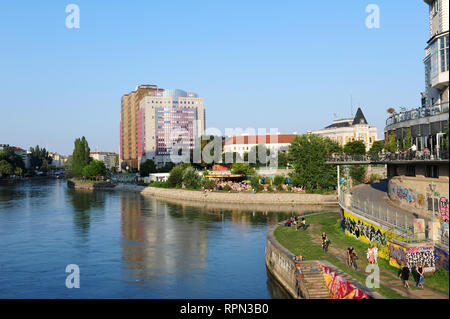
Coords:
86,185
286,199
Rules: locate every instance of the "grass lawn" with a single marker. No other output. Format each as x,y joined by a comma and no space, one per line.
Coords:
307,244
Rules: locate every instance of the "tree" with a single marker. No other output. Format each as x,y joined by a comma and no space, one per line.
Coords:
332,146
231,155
166,168
147,168
6,168
38,156
391,143
176,177
282,160
377,147
242,168
355,148
308,155
446,139
254,182
278,180
358,173
9,155
259,154
406,142
80,156
191,179
94,169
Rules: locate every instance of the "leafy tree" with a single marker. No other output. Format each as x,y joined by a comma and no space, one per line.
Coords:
391,143
9,155
355,148
358,173
231,155
258,154
254,182
80,156
38,156
93,169
147,168
278,180
406,142
377,147
242,168
191,179
332,146
208,183
308,155
166,168
176,177
6,169
282,160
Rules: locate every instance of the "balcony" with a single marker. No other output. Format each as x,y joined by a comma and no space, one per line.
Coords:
418,113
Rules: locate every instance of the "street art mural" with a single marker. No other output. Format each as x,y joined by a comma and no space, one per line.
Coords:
414,198
441,258
443,208
339,288
397,255
419,227
367,232
412,256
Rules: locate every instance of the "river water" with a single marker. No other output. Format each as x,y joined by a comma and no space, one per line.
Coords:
128,246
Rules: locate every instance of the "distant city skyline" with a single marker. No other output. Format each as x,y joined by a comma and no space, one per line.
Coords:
294,66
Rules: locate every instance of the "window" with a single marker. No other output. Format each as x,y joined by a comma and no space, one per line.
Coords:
443,50
432,171
435,7
410,171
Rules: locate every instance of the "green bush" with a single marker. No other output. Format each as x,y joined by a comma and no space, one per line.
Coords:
278,180
242,168
191,179
374,178
254,182
176,177
227,188
208,183
160,184
93,169
358,173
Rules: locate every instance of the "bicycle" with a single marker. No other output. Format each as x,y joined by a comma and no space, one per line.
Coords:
325,245
353,262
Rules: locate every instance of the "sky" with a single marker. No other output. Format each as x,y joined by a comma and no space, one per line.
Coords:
289,65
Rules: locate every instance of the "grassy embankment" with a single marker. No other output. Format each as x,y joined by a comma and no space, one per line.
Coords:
307,244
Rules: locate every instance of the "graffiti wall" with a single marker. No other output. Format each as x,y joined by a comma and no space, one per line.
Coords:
340,288
412,256
443,208
441,258
414,198
367,232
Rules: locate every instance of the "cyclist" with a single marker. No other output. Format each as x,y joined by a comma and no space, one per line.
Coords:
351,254
325,242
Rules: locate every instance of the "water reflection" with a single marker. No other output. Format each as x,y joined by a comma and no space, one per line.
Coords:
87,205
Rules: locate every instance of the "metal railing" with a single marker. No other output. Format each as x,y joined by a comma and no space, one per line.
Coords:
420,112
442,154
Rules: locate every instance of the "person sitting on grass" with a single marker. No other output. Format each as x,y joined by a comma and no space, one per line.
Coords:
303,223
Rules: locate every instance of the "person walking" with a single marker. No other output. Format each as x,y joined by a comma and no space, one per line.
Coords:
375,253
404,274
370,258
325,242
419,270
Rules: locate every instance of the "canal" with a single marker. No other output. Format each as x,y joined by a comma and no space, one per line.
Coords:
128,246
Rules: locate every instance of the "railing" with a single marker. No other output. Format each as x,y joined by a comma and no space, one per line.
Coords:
418,113
443,154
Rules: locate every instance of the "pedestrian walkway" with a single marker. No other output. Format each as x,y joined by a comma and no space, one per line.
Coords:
377,193
314,281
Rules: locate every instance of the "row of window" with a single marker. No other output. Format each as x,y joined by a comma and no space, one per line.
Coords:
431,171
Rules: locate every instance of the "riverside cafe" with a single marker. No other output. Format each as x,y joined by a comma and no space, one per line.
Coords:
220,173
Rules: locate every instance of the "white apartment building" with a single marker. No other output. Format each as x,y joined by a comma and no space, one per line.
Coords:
350,129
437,54
244,143
109,158
168,119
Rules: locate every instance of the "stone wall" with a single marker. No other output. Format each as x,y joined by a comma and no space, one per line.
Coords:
84,185
289,199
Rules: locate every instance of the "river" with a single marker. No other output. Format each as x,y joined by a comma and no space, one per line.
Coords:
128,246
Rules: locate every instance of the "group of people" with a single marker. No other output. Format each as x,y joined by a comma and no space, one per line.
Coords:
235,186
372,254
294,221
406,270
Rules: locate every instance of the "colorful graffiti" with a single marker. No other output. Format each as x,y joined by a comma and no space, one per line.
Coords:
443,208
339,288
397,255
406,194
419,227
367,232
441,258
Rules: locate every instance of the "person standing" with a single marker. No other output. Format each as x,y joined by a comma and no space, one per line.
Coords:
404,274
375,253
370,258
419,270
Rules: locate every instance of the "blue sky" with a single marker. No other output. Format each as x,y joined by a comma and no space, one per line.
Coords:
288,64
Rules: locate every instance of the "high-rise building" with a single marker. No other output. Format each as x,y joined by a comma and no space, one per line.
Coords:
128,125
436,54
167,120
